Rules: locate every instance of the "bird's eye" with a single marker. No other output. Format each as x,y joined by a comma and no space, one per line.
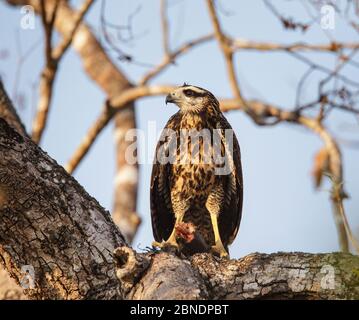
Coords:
189,93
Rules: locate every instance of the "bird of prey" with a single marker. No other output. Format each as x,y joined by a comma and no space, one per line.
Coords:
187,184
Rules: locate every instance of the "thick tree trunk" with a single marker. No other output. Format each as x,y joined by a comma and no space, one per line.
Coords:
55,240
51,228
8,287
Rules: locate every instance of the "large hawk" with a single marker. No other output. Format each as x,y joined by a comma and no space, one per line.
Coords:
188,183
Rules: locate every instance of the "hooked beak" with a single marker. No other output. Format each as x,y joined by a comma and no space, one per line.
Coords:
169,99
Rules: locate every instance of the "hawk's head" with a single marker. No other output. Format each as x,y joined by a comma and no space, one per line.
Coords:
191,98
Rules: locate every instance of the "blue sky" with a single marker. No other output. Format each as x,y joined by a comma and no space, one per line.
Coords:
282,211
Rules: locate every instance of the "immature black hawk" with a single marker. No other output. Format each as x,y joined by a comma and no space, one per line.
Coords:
187,184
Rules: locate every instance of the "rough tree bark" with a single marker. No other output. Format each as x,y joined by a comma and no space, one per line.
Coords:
40,205
50,223
256,276
8,287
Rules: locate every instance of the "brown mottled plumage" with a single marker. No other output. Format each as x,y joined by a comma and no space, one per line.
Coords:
192,191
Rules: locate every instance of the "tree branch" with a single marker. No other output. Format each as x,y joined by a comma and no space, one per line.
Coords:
224,44
297,275
172,56
60,50
49,224
53,57
109,110
164,25
335,158
8,287
46,215
244,44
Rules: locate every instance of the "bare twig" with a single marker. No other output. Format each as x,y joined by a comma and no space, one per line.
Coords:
323,69
22,57
107,114
121,54
224,44
53,57
170,59
335,158
164,25
100,123
48,74
243,44
336,172
66,40
48,24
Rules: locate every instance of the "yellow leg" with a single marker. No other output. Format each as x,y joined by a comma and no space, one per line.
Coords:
218,247
171,241
157,244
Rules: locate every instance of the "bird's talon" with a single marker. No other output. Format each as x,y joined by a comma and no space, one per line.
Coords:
158,244
221,252
166,245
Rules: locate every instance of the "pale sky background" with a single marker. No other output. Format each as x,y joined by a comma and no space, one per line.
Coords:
282,211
